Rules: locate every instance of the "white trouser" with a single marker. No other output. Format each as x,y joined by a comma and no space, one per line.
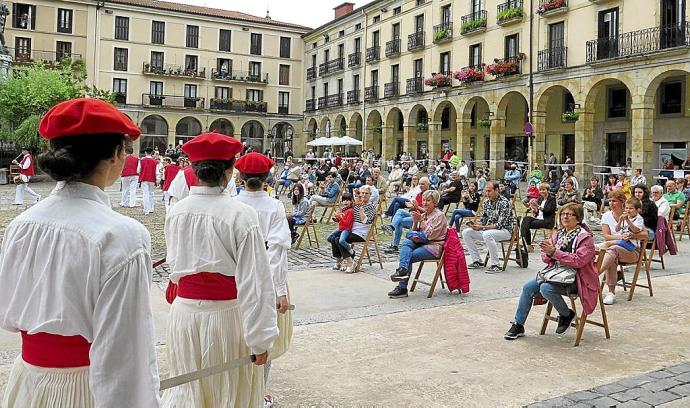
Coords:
19,193
490,237
129,191
590,207
166,201
147,188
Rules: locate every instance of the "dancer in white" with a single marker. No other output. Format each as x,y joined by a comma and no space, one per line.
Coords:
26,171
129,178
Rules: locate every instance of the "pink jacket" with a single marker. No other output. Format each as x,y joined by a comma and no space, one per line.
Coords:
664,238
455,265
583,260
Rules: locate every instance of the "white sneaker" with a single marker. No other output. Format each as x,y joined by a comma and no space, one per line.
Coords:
609,299
337,266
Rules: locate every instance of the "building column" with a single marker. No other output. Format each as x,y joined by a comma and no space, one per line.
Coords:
368,139
538,139
642,138
410,138
462,137
584,145
387,143
434,142
497,147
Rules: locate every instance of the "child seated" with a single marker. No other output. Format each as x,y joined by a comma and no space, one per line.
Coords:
345,217
630,223
532,192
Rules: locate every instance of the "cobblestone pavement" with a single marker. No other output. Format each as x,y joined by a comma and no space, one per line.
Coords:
647,390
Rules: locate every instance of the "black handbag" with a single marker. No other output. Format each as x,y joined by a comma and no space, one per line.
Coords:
521,253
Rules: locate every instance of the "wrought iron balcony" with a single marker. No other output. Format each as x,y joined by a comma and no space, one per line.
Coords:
311,73
415,85
237,105
28,56
371,93
172,101
393,47
415,41
174,70
509,12
353,97
241,76
120,97
552,58
473,23
354,59
443,32
391,89
331,66
549,7
639,42
373,53
330,101
310,105
503,67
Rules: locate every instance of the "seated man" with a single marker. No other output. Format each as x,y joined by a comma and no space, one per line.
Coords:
374,191
395,179
402,217
470,200
452,194
401,200
495,225
513,177
361,177
675,198
331,189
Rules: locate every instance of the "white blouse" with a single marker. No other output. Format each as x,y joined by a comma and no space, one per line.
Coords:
70,265
179,189
276,233
209,232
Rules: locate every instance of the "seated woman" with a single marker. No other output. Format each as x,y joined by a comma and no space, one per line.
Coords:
300,206
470,200
364,214
401,201
430,224
572,245
330,188
540,213
554,182
650,212
568,194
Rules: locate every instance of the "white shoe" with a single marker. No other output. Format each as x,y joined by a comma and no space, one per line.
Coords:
609,299
337,266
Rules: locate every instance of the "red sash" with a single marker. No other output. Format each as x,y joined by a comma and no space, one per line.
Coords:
203,286
55,351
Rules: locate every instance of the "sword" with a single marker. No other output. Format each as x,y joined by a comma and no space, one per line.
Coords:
158,263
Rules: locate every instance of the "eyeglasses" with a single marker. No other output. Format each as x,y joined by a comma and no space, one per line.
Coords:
567,214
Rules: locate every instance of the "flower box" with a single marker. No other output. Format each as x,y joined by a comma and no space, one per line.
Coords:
569,117
512,13
441,35
484,123
503,68
469,74
473,25
550,5
438,81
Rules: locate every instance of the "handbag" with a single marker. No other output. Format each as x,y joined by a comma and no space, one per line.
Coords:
417,234
557,274
521,254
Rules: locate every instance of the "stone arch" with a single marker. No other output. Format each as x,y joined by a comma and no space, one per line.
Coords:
662,74
597,88
545,97
511,116
417,113
476,143
154,133
311,127
325,127
186,129
222,126
446,116
339,126
374,137
355,126
282,136
253,135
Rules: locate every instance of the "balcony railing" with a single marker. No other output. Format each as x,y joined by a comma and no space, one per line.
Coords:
415,85
311,73
391,89
371,93
509,11
547,7
330,101
353,97
28,56
332,66
310,105
443,32
243,76
354,59
415,41
172,101
393,47
236,105
174,70
638,42
373,53
473,23
556,57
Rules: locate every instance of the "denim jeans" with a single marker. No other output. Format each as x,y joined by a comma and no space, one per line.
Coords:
339,245
396,204
550,292
410,253
401,219
458,215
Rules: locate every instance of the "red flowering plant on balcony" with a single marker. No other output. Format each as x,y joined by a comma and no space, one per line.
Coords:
470,74
550,5
438,81
502,68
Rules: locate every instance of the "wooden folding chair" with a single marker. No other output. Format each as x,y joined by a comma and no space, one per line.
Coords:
306,230
649,257
639,264
684,224
371,237
457,205
580,322
513,242
332,206
437,275
546,233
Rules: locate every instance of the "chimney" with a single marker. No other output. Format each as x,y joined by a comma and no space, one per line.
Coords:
343,9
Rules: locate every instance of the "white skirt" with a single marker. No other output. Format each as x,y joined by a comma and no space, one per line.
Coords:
36,387
205,333
282,343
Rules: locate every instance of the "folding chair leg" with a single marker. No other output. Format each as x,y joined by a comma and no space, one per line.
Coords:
316,237
378,253
604,318
416,276
649,282
580,328
633,284
547,316
437,276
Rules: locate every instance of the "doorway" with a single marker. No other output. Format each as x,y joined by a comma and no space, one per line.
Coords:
616,149
568,147
607,46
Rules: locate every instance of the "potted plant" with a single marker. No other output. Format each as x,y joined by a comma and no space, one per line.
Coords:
472,25
469,74
438,81
340,132
147,67
550,5
502,68
441,34
422,126
570,116
156,100
484,123
510,14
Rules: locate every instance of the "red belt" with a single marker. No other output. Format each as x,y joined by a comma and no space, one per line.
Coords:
203,286
55,351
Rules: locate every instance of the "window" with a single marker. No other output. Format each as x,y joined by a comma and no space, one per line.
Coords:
355,82
285,47
444,67
23,16
395,73
223,92
418,68
376,38
375,78
224,67
568,102
156,88
313,61
358,26
376,19
556,35
396,31
397,10
284,75
475,55
158,32
476,6
671,97
22,48
512,46
122,28
255,48
120,90
63,49
326,55
224,40
255,71
446,17
326,38
192,36
283,103
120,59
358,45
64,21
313,45
255,95
419,3
191,63
325,89
189,91
617,102
156,61
341,33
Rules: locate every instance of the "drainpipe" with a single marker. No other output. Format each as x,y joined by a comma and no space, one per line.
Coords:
364,81
530,139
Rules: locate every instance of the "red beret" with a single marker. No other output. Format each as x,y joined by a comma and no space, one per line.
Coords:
86,116
254,163
212,146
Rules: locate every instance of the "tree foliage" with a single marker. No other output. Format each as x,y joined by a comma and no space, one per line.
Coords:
30,92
